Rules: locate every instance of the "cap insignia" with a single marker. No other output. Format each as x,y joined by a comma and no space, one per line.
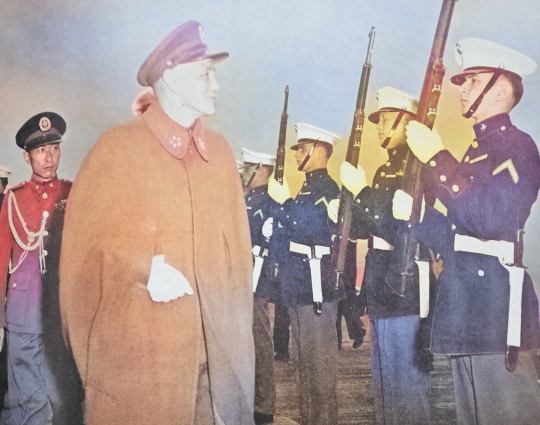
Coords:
44,124
201,35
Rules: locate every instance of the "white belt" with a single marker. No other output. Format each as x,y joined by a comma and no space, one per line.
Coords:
314,253
258,256
504,251
380,243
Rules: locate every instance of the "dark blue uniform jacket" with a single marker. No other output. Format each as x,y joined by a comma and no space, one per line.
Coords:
488,196
259,206
372,216
304,220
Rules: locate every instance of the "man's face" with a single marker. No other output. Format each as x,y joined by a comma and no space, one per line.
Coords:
386,121
470,90
300,154
246,174
44,160
198,88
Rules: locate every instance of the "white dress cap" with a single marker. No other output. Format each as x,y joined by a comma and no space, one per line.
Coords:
4,172
474,54
391,99
251,157
306,133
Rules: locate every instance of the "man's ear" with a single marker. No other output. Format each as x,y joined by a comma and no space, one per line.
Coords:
170,80
26,157
504,90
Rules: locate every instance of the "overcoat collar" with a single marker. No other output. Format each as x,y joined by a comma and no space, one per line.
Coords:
175,138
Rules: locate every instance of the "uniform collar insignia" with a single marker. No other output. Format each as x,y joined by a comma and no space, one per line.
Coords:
491,125
173,137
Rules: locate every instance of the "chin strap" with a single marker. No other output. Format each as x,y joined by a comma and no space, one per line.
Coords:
393,129
246,186
479,99
308,156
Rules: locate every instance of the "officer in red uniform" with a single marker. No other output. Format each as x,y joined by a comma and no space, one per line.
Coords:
25,221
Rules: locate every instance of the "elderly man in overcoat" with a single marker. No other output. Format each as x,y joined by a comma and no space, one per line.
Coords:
155,286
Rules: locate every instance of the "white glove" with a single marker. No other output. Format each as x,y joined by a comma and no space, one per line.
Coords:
165,282
333,209
354,179
278,192
268,227
424,143
402,205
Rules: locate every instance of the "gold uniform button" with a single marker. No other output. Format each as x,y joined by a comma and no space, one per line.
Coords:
481,273
45,196
383,174
45,233
467,159
443,178
432,163
455,188
474,144
376,185
14,285
388,163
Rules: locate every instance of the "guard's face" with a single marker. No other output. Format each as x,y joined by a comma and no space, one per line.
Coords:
247,173
197,86
44,160
472,88
300,154
386,121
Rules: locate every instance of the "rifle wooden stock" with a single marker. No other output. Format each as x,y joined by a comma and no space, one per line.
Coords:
406,244
280,156
341,239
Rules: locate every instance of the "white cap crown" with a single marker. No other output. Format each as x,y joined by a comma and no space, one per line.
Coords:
389,98
251,157
310,132
473,54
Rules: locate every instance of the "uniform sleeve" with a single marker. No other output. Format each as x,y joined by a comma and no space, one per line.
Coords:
491,206
372,215
306,219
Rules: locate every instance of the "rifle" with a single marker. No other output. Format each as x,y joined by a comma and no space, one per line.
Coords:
280,156
341,239
406,243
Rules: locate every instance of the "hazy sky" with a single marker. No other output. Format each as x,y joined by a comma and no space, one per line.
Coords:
80,59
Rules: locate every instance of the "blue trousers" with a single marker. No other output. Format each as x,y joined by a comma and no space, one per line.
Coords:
401,381
30,387
487,394
314,344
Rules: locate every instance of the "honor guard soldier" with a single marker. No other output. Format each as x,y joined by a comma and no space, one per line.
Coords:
156,274
486,309
400,368
305,276
257,169
27,212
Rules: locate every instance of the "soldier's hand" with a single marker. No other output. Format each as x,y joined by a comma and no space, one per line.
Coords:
354,179
424,143
333,209
1,338
402,206
268,227
166,283
278,192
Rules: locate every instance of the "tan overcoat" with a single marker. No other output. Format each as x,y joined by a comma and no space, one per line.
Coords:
139,360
